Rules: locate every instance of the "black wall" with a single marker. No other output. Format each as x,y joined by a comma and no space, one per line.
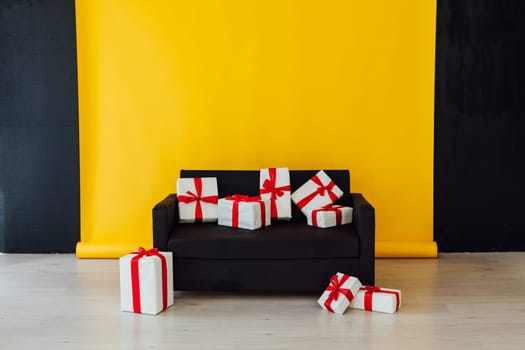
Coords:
480,126
39,165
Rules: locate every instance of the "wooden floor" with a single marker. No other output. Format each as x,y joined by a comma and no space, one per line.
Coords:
459,301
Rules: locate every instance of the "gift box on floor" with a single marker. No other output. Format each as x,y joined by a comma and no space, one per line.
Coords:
339,293
241,211
372,298
197,199
275,186
146,281
317,192
329,216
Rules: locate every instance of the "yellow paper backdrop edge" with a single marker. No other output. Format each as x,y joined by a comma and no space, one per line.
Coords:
170,84
384,249
406,249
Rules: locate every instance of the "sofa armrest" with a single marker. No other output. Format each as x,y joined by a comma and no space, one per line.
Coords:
364,224
165,214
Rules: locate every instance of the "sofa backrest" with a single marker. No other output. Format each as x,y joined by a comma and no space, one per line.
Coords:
247,182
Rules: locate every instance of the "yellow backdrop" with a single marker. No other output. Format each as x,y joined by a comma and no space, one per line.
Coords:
237,84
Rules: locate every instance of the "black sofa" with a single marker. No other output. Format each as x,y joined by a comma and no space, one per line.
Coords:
288,256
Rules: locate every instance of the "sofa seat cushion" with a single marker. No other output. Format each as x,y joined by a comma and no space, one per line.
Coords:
281,240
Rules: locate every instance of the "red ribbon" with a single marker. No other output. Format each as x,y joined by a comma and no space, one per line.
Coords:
135,282
335,289
369,292
319,191
270,187
192,197
237,198
329,207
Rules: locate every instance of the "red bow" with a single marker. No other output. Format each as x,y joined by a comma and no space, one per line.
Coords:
236,198
243,198
319,191
143,252
135,282
329,207
370,290
335,288
192,197
269,187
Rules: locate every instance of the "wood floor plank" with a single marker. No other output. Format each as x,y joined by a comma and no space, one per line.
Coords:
460,301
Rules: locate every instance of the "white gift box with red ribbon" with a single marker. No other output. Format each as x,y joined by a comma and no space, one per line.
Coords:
275,186
317,192
197,199
329,216
372,298
241,211
339,293
146,281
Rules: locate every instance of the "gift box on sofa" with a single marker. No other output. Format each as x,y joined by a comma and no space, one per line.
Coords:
197,199
330,216
317,192
372,298
339,293
146,281
275,186
241,211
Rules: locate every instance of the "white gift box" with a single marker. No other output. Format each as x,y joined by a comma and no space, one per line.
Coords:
143,288
317,192
339,293
246,212
329,216
377,299
275,186
197,199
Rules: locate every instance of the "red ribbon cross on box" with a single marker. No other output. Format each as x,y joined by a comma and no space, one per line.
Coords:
269,186
237,198
335,289
329,207
135,281
197,197
321,189
369,293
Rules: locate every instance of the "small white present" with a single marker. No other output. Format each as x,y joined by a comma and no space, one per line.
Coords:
372,298
241,211
197,199
329,216
275,186
339,293
146,281
317,192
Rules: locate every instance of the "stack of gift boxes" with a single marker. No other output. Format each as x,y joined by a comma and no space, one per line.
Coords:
199,201
146,275
346,291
